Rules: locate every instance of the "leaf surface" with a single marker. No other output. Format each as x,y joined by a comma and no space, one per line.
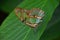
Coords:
13,29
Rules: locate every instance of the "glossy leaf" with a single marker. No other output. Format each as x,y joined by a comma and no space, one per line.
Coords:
52,31
13,29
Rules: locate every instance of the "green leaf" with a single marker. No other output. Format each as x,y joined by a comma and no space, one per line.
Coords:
14,29
59,1
52,31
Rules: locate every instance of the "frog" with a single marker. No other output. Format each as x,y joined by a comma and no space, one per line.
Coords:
30,17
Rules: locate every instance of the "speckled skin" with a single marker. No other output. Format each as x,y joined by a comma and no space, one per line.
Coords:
30,17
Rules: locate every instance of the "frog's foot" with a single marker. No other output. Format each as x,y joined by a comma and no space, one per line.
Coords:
32,25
